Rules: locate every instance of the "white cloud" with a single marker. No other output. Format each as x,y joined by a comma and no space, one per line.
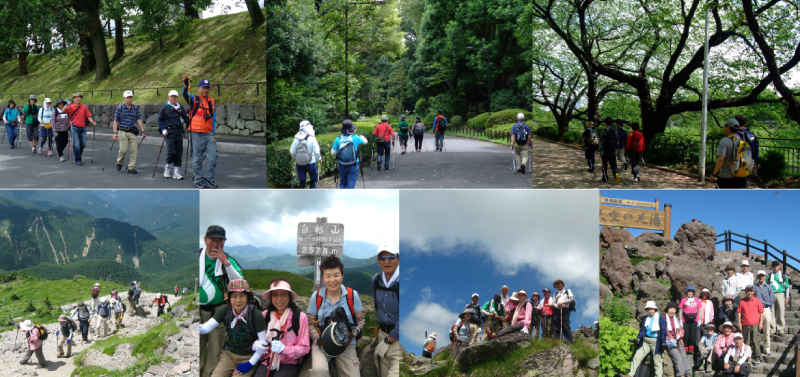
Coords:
426,294
428,317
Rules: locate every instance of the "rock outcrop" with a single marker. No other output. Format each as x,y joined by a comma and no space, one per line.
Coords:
492,350
697,240
616,266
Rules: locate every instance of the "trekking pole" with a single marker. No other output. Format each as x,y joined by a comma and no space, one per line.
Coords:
69,141
108,155
426,146
646,171
605,177
94,132
158,158
394,156
4,136
15,339
140,141
514,161
186,165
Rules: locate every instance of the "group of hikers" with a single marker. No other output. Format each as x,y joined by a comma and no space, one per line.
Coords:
97,315
239,337
506,314
728,337
65,121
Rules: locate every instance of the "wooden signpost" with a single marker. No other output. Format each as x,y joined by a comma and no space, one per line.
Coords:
318,240
613,214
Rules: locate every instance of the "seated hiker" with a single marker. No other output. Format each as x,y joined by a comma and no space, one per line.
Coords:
737,356
510,306
706,347
724,340
287,349
521,320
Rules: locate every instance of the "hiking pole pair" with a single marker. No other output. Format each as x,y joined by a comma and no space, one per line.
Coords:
646,171
158,158
605,176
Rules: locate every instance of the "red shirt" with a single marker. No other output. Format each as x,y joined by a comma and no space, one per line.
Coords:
750,310
78,114
385,131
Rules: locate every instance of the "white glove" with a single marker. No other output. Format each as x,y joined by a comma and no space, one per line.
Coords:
525,330
164,132
381,349
277,346
260,347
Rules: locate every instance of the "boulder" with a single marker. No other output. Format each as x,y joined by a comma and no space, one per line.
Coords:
245,132
554,362
610,236
594,367
152,121
605,291
233,113
421,365
653,290
494,349
617,268
368,367
223,130
240,124
246,112
254,126
651,245
443,350
645,270
162,369
260,112
697,240
684,271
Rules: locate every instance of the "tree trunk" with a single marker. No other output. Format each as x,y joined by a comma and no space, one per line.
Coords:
92,9
189,9
108,25
87,53
23,63
119,42
256,16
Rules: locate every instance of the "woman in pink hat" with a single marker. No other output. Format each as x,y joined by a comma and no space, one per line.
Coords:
521,320
286,355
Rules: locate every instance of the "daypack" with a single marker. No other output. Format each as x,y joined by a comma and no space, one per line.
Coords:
404,127
95,292
347,151
521,136
295,320
610,140
42,332
742,163
131,293
751,139
137,294
350,303
574,302
161,301
594,138
376,286
441,125
419,129
431,347
251,319
637,142
303,157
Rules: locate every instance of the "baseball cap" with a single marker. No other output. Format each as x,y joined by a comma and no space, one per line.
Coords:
215,231
173,92
204,83
475,295
388,248
127,94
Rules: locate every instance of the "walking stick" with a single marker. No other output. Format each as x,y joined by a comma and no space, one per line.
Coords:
15,338
4,135
646,171
140,141
514,160
108,155
156,167
394,157
605,175
361,168
186,165
426,146
94,132
278,337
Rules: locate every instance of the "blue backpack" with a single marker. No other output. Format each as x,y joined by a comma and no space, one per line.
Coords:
521,136
751,139
347,151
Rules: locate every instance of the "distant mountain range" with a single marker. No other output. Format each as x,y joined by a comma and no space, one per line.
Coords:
353,249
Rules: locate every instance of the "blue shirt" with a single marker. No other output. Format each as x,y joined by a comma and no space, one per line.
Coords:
127,117
327,307
436,123
357,140
387,304
11,114
649,328
765,294
516,128
623,138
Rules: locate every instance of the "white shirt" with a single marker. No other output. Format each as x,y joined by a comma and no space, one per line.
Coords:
565,297
730,286
745,279
504,299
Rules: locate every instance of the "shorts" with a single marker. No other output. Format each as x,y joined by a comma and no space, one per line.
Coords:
31,132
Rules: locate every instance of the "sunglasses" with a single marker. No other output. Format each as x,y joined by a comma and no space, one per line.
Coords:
215,231
384,258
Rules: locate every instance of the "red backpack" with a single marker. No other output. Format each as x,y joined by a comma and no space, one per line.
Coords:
350,302
637,142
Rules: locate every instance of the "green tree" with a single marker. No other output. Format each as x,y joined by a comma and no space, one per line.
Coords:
90,9
256,16
158,19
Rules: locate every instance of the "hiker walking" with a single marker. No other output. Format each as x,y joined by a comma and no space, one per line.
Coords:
547,305
727,312
419,134
726,155
161,301
12,118
429,347
383,134
652,339
33,335
244,328
138,292
345,149
132,298
177,289
744,278
764,292
622,141
45,118
510,307
66,330
103,313
117,310
522,316
521,142
184,291
749,137
609,140
202,129
31,113
78,114
439,127
285,356
475,320
635,146
750,315
95,294
305,152
169,123
494,312
674,343
82,313
737,356
60,121
114,293
460,333
126,119
326,306
591,142
386,294
402,132
689,308
218,269
564,305
780,286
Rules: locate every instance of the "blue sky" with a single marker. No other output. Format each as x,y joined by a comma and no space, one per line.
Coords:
475,241
770,214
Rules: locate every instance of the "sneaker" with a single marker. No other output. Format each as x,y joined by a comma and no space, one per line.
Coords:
617,176
61,159
177,175
132,171
404,152
756,362
210,184
589,170
119,167
40,150
49,153
768,352
59,355
522,168
78,163
33,149
12,146
167,173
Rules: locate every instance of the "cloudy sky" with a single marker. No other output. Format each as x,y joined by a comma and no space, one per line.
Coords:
270,217
474,241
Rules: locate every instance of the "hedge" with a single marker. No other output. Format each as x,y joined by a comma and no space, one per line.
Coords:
478,122
508,116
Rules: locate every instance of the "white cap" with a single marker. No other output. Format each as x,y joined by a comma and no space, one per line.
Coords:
705,290
738,335
596,323
520,116
388,248
475,295
745,263
761,272
173,93
505,286
47,100
102,299
650,305
96,284
113,301
158,295
127,94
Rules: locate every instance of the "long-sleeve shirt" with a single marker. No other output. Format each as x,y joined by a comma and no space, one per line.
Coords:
313,148
547,310
565,297
45,114
117,307
765,294
190,100
295,346
524,316
705,314
170,117
67,329
730,286
491,308
779,282
722,344
744,280
727,314
33,339
387,303
743,353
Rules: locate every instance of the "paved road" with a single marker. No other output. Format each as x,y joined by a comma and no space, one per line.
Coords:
19,168
466,164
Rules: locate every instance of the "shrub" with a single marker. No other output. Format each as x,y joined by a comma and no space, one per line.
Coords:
421,106
30,308
478,122
507,116
616,310
672,148
14,297
456,121
547,133
572,136
615,350
772,166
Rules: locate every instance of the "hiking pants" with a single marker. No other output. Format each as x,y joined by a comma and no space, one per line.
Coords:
287,370
228,362
47,136
735,182
621,157
210,344
521,154
102,323
769,321
494,324
636,157
348,176
418,142
12,132
62,340
779,312
347,363
160,311
39,356
547,326
648,346
117,321
753,339
132,306
78,143
203,143
439,140
589,154
84,325
680,364
609,160
474,333
174,141
561,324
313,175
127,140
744,370
384,149
62,139
404,140
389,363
511,329
32,132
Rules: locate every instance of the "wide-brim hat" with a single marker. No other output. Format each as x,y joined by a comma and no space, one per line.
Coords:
280,285
745,263
81,304
466,311
26,325
348,127
728,324
239,285
705,290
711,325
514,297
689,288
335,337
433,335
651,305
62,318
522,292
727,297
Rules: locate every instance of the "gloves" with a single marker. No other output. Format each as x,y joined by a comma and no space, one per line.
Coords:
525,330
164,132
69,341
381,349
57,331
244,367
277,346
260,347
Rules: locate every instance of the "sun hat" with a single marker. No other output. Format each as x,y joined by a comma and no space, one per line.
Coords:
77,94
102,300
671,304
522,292
81,304
433,335
348,128
239,285
384,117
705,290
728,324
651,305
62,318
280,285
158,295
96,284
738,335
514,297
476,295
520,116
745,263
32,97
26,325
689,288
466,311
47,100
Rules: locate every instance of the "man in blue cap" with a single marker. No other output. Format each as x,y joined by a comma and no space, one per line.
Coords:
203,126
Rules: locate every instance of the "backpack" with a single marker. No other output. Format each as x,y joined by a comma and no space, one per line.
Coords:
521,136
137,294
609,140
403,127
42,332
594,138
431,347
251,319
441,124
295,320
131,293
419,129
350,300
347,151
376,286
743,159
574,302
95,292
751,139
637,142
303,157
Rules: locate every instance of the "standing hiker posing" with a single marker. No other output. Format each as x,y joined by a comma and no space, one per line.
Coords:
126,118
547,305
285,356
386,294
169,122
651,339
520,142
460,333
494,312
305,152
78,115
403,129
475,319
203,113
781,286
675,346
46,129
565,304
12,118
31,112
384,134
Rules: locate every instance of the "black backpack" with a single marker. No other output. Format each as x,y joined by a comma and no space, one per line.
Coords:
295,320
251,309
42,331
441,124
522,134
610,140
376,286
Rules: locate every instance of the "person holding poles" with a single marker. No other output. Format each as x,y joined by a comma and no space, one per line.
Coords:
126,118
12,119
565,304
31,113
169,122
46,129
383,136
78,115
202,129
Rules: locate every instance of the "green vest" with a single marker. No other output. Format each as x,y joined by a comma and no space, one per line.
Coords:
213,288
779,285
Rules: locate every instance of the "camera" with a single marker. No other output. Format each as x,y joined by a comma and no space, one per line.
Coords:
208,116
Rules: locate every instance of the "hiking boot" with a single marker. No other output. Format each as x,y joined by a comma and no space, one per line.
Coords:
59,355
617,176
61,159
132,171
522,168
177,175
590,170
119,167
210,184
78,163
379,168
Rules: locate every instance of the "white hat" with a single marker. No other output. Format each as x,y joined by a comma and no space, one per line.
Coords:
433,335
520,116
505,286
158,295
102,299
47,100
96,284
727,323
173,93
113,301
738,335
651,305
27,325
761,272
127,94
745,263
596,323
475,295
514,297
388,248
705,290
